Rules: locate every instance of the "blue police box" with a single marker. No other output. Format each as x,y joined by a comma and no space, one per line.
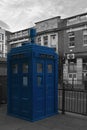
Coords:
32,82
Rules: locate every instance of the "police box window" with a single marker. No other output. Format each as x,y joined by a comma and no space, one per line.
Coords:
25,68
25,81
39,68
39,81
15,69
49,68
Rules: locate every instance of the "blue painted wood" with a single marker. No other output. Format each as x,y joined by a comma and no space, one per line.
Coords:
33,91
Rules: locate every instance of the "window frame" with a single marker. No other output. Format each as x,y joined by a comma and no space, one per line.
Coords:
71,43
45,40
84,34
24,70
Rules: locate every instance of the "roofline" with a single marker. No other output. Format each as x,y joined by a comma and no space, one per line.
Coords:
48,19
75,16
23,29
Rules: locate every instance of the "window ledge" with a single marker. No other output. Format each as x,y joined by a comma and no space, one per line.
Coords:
84,44
71,46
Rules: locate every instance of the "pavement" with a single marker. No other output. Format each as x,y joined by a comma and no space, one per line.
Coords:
57,122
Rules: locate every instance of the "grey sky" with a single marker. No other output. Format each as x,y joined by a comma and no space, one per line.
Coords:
20,14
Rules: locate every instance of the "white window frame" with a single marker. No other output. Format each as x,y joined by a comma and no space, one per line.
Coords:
84,34
70,41
45,41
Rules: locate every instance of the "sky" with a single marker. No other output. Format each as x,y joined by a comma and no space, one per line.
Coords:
21,14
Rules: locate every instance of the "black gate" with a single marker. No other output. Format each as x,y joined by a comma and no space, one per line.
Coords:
72,100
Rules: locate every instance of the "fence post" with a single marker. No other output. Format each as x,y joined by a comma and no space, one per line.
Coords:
0,94
63,98
86,102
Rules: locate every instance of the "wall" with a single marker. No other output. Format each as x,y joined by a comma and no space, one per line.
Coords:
47,24
79,46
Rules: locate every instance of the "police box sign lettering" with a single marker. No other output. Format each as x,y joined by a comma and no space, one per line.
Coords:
46,56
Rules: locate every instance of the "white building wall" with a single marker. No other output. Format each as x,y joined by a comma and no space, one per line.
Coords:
2,43
51,43
47,24
79,70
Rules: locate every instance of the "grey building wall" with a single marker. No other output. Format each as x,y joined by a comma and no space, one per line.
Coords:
48,24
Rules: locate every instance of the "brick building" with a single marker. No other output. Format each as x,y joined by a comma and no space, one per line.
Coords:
73,48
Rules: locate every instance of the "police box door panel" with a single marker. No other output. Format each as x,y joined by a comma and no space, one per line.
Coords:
45,86
20,89
49,79
24,81
15,89
39,88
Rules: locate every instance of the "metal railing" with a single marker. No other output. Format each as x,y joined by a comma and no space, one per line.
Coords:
72,100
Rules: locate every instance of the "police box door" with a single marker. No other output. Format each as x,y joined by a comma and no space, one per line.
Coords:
45,86
49,86
20,89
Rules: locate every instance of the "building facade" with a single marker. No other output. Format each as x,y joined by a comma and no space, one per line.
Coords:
3,42
3,64
73,49
16,39
47,34
69,39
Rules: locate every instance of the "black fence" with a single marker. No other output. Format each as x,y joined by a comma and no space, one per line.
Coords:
3,89
72,100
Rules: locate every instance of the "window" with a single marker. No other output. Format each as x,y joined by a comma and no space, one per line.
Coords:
0,47
1,37
83,18
25,68
39,68
45,40
19,34
1,54
53,36
39,40
84,64
15,68
39,81
25,81
70,75
49,68
72,21
53,40
71,37
72,67
85,36
74,75
25,33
